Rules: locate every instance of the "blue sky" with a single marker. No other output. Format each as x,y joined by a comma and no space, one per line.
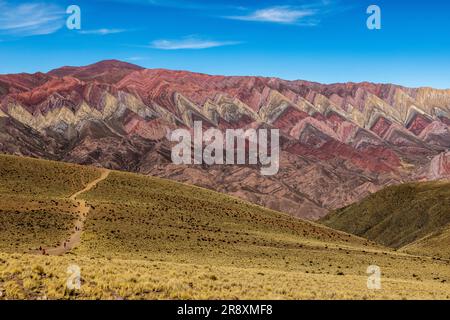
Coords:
319,40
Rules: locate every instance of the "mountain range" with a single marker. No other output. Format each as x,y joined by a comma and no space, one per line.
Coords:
339,142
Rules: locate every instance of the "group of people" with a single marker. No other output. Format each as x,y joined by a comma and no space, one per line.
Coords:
44,252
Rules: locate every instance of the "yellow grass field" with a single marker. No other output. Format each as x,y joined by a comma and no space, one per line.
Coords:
148,238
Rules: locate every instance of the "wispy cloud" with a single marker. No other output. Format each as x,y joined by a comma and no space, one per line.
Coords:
190,42
29,19
180,4
136,58
279,14
103,31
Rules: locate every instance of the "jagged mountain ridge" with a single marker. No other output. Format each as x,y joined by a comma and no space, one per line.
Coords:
340,142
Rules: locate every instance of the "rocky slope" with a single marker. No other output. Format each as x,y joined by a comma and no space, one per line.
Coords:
339,142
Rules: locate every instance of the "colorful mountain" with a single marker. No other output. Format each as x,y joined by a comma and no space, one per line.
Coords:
340,142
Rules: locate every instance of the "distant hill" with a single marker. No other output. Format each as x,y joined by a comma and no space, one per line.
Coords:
400,215
107,71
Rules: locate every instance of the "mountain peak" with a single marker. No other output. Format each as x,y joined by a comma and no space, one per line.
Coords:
108,71
113,63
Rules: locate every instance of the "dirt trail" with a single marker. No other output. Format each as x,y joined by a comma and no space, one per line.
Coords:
83,210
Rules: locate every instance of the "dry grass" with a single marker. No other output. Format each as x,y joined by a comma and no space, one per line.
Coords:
43,277
148,238
27,224
436,244
34,207
42,179
159,219
398,215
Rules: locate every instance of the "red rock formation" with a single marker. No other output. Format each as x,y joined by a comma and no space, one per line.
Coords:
339,142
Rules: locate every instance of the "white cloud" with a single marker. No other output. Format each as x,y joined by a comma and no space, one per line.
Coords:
29,19
103,31
189,43
180,4
279,14
136,58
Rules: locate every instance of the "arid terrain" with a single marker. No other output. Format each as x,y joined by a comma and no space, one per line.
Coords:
87,181
340,142
413,218
149,238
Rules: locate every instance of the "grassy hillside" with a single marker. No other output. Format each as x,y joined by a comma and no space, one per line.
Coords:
397,215
42,179
436,244
35,210
148,238
161,219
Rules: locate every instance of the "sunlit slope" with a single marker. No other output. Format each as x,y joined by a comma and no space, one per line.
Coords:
40,178
34,209
139,217
436,244
397,215
147,238
153,218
